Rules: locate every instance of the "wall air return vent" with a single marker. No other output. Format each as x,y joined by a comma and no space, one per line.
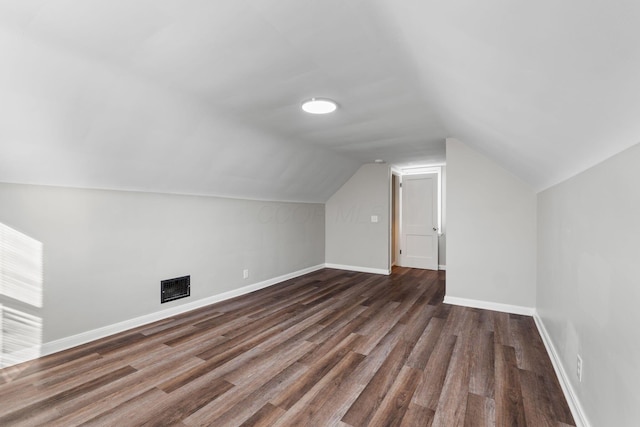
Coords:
173,289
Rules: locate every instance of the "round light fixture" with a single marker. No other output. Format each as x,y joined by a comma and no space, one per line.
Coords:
319,106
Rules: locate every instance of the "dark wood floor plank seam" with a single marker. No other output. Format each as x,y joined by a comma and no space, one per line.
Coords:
32,408
117,395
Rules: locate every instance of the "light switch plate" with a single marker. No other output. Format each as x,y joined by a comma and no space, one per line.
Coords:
374,218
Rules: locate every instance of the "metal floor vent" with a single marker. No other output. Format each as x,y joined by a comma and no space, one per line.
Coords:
171,289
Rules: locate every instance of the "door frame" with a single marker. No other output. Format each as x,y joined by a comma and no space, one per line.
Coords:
416,170
395,212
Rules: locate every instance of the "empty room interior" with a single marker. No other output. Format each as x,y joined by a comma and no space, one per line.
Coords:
319,213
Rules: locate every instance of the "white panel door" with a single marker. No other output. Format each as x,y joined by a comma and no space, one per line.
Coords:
419,243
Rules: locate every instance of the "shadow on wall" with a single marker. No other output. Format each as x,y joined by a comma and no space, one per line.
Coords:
20,298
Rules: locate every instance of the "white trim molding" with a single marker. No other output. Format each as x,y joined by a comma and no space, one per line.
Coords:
488,305
442,267
105,331
359,269
570,395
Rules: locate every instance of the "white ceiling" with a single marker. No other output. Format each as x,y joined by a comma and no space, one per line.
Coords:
203,96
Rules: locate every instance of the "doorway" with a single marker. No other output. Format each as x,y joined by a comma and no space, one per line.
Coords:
415,218
395,218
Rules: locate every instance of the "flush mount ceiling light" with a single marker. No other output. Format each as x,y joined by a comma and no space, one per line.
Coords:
319,106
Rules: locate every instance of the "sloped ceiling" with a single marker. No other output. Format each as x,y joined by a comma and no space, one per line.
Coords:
203,97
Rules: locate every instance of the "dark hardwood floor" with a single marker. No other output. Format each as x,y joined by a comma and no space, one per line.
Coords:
331,348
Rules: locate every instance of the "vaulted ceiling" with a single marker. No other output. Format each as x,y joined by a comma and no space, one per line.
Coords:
203,97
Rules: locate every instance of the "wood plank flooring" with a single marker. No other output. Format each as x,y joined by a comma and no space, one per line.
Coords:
331,348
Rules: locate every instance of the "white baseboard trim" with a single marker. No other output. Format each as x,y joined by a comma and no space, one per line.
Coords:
442,267
569,393
20,356
359,269
487,305
92,335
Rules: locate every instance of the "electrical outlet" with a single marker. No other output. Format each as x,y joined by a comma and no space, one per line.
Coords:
579,368
374,218
245,273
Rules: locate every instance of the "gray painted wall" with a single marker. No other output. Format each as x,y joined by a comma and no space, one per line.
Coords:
351,238
491,230
105,252
442,239
588,284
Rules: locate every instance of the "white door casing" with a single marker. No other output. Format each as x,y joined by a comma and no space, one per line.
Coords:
419,235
